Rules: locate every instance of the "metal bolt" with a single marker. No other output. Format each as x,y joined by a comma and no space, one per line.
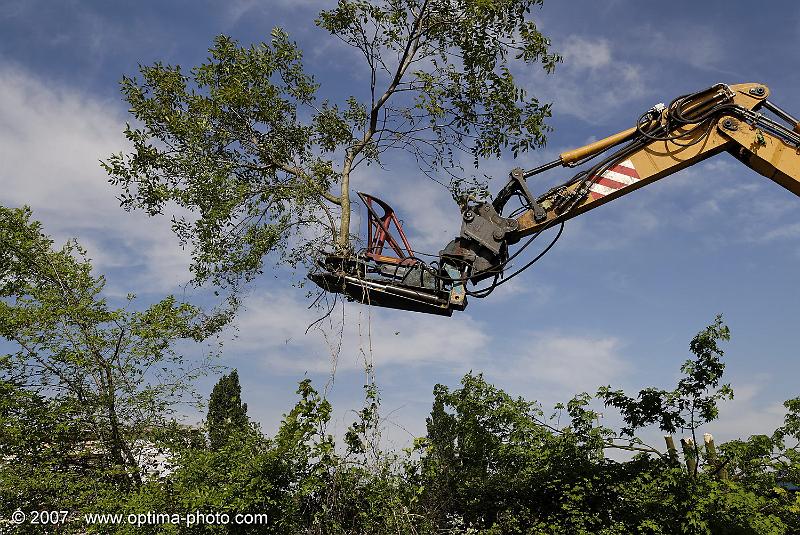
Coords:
758,91
498,234
729,124
469,215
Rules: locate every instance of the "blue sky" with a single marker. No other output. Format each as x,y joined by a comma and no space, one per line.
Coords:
615,302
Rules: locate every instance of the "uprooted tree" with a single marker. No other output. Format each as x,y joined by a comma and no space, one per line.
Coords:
263,164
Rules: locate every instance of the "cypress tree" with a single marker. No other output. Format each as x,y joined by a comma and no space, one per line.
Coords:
227,415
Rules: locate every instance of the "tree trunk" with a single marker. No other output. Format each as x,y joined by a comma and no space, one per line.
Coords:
711,451
120,452
343,243
673,452
689,455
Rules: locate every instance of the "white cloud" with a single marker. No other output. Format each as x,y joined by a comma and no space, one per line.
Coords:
790,231
630,221
14,8
723,194
580,53
591,84
693,44
429,215
571,363
535,293
51,141
747,413
272,328
235,10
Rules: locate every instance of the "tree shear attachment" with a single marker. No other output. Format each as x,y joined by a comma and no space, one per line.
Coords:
387,273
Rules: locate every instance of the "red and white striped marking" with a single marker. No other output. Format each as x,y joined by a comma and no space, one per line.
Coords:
621,175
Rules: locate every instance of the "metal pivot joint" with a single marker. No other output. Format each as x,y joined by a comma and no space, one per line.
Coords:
730,124
484,225
516,182
539,214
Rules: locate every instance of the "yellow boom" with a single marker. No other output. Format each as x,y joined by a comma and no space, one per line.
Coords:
752,142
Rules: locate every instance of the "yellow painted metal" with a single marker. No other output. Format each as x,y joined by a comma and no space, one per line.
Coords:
771,158
766,155
574,155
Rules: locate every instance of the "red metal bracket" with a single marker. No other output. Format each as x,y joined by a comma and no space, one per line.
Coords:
379,233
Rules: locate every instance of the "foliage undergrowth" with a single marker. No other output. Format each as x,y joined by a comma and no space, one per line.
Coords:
489,464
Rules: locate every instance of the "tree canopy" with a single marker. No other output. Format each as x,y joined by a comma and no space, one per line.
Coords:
83,383
264,160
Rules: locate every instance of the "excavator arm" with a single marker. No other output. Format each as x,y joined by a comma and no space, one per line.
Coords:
767,147
664,140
